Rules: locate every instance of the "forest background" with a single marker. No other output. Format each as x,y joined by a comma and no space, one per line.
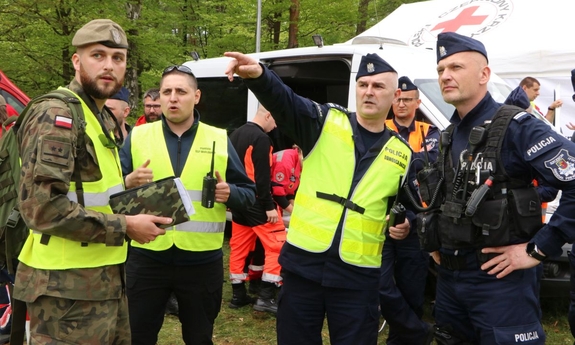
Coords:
36,35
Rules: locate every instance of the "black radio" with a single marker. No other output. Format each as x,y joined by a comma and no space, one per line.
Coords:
209,185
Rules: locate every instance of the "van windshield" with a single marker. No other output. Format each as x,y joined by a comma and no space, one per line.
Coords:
430,87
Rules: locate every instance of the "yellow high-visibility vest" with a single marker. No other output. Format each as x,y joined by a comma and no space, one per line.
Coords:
329,168
61,253
205,229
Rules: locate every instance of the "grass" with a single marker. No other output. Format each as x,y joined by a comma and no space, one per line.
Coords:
245,326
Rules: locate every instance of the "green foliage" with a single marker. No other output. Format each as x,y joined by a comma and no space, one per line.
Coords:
36,35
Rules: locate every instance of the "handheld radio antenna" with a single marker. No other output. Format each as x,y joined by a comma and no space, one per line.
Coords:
209,184
424,146
211,172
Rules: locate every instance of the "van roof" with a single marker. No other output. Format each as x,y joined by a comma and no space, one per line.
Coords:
406,60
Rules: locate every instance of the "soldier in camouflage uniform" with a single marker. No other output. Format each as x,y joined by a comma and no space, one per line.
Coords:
71,271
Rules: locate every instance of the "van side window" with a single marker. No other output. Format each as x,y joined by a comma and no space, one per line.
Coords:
322,80
223,104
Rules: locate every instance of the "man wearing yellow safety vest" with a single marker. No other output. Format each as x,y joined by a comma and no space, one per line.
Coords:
404,265
353,166
188,259
71,271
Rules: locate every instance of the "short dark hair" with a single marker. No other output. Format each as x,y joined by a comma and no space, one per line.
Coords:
153,93
528,82
182,70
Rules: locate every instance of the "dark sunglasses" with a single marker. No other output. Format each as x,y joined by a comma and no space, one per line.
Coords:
179,68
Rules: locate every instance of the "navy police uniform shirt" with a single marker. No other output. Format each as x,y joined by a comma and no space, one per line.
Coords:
531,149
301,119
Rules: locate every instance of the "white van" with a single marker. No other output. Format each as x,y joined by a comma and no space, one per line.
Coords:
325,74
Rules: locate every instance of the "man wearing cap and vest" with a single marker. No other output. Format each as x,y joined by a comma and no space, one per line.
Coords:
71,271
482,297
353,167
188,259
404,265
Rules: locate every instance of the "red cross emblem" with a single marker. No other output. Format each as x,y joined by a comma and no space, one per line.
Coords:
466,17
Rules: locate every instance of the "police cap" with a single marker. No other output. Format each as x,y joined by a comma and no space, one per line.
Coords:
519,98
122,95
103,31
449,43
405,84
371,64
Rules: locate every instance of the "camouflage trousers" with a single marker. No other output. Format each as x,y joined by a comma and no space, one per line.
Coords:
57,321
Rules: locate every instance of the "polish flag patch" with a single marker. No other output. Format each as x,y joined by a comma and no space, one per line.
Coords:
64,122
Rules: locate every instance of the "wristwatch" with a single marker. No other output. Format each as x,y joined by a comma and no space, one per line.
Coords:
533,251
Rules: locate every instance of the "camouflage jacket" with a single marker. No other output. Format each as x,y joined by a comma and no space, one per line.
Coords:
46,208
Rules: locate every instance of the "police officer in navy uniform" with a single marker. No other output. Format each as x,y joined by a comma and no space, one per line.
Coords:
485,237
354,161
404,265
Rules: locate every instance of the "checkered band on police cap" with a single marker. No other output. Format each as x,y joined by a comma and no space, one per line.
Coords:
371,64
405,84
103,31
450,43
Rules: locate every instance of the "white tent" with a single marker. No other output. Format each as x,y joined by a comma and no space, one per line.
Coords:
522,38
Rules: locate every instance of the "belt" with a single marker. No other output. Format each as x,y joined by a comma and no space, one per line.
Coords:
468,261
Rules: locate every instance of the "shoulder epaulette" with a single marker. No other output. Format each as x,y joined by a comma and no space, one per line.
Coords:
321,115
338,107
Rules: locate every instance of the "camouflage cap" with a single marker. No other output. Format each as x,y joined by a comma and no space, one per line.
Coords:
2,100
103,31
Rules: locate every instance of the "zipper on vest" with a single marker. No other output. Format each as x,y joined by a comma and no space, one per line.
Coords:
177,170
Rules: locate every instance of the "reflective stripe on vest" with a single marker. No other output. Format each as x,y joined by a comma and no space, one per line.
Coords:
96,199
314,221
205,229
61,253
416,140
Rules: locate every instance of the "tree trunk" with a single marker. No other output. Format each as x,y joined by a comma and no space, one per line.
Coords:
293,24
133,10
362,16
276,29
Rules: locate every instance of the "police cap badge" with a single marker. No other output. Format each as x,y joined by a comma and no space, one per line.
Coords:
449,43
371,64
405,84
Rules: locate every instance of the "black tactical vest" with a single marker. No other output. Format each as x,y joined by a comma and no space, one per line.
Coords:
510,209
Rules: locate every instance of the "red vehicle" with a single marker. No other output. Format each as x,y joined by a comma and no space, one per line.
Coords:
13,95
